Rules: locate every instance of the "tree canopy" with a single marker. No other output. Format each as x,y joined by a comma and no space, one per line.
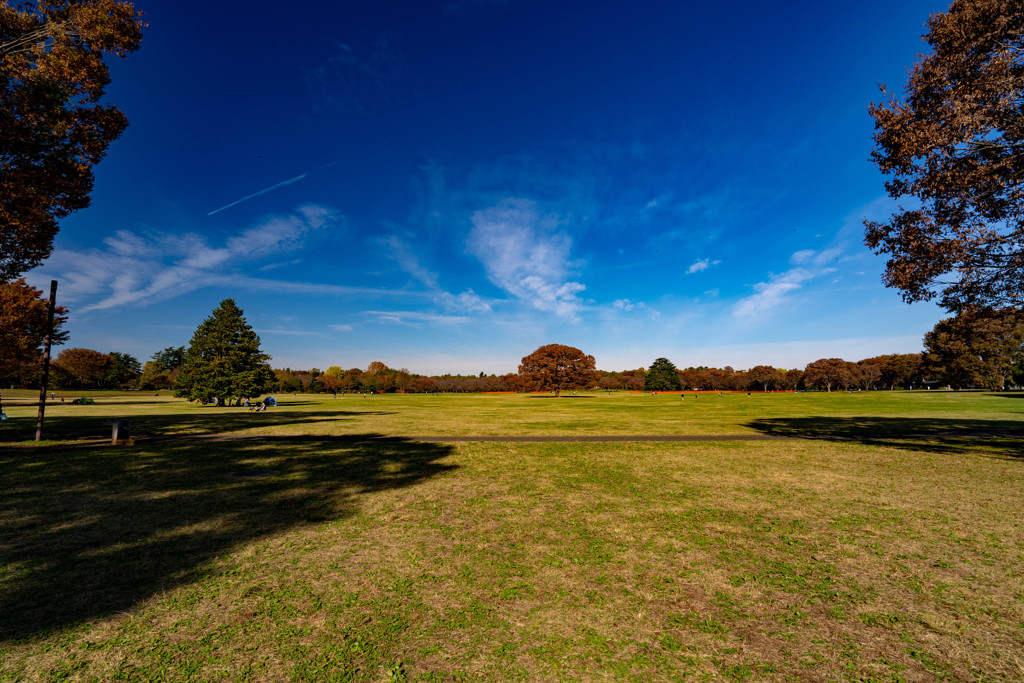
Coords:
955,143
224,359
826,373
125,370
902,369
170,358
764,376
662,376
979,348
52,128
23,315
555,367
82,368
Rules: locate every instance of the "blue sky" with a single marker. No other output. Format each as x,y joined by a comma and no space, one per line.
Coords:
445,186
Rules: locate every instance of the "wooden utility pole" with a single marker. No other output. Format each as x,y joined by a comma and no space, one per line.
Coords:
46,360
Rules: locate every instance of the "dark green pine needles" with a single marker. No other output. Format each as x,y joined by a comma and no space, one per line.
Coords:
224,359
662,376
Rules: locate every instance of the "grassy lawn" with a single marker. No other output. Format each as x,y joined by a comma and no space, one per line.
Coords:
854,415
887,547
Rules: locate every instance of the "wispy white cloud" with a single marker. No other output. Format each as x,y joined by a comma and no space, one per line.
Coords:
468,301
275,266
524,253
142,269
775,292
702,264
294,333
341,328
290,287
414,317
628,305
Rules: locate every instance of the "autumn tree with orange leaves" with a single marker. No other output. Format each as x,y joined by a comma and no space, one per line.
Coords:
557,368
23,314
954,142
52,128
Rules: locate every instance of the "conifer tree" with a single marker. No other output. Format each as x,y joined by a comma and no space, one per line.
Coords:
662,376
224,359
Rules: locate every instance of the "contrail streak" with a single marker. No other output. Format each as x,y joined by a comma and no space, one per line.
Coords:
257,194
272,188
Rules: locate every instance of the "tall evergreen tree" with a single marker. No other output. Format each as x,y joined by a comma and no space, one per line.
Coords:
224,359
662,376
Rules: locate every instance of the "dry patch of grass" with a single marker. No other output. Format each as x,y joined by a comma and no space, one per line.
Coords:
398,561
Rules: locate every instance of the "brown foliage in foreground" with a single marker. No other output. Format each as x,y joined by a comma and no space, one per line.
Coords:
52,129
955,141
23,313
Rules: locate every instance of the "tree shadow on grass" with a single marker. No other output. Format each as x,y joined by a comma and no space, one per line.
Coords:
88,533
1003,438
211,421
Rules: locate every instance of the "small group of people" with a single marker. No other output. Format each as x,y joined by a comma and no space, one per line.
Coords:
682,396
260,406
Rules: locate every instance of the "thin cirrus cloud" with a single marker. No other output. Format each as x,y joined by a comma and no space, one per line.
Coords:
628,305
415,317
467,301
133,269
524,254
769,296
702,264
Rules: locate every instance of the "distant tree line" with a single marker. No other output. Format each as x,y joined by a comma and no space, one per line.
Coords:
981,348
943,363
826,374
379,378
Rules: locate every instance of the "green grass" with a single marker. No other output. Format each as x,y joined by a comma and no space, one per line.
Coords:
860,554
841,415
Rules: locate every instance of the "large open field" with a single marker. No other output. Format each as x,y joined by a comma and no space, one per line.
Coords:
333,541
